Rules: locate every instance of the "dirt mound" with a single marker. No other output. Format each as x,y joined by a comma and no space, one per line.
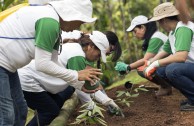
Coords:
147,110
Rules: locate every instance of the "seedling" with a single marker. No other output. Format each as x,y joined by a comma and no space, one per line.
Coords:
90,116
124,97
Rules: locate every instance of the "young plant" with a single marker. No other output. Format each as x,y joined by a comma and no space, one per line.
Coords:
123,97
90,116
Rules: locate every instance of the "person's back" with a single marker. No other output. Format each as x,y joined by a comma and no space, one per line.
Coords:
18,31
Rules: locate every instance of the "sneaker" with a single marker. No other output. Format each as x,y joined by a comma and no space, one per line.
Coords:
186,107
183,102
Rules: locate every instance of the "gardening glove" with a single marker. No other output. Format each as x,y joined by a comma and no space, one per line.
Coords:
113,108
122,68
146,64
149,71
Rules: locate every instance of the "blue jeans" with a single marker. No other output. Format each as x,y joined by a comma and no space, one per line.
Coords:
47,105
181,77
13,107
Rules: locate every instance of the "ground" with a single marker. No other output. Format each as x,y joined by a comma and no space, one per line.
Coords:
147,110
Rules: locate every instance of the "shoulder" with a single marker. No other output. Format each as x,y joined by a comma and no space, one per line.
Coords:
160,35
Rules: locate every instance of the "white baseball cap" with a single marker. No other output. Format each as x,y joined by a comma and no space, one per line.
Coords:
139,20
101,41
72,10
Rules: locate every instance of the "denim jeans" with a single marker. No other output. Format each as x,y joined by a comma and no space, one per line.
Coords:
181,77
46,104
13,107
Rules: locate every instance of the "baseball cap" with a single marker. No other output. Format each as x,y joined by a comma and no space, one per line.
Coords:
163,10
101,41
139,20
72,10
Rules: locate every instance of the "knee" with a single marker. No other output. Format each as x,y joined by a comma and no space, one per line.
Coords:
172,71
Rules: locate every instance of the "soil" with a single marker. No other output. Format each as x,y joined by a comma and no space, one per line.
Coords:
147,110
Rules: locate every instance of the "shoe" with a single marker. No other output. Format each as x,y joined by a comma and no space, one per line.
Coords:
164,91
183,102
187,106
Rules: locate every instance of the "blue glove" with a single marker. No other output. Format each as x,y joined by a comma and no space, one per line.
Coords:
121,66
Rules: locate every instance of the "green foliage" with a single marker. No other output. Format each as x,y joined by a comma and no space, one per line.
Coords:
89,117
124,97
4,4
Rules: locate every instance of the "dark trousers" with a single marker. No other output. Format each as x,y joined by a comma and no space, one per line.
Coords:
181,77
46,104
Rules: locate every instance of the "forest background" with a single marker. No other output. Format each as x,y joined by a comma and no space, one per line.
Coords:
116,16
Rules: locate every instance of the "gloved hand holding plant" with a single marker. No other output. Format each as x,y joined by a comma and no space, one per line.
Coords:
122,67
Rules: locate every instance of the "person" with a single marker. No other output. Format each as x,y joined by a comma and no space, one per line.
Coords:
34,32
175,64
45,93
152,44
183,8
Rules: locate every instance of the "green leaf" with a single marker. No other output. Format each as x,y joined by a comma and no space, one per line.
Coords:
135,95
120,93
99,112
89,113
128,94
128,104
82,115
101,121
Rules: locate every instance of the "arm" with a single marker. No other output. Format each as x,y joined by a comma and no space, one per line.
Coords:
141,62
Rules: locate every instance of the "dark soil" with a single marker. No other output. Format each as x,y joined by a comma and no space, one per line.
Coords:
147,110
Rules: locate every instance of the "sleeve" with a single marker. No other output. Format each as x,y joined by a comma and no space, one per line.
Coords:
167,48
47,34
184,37
154,45
44,64
76,63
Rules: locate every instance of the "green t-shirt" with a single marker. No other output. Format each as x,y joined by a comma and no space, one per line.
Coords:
47,34
154,45
183,41
77,63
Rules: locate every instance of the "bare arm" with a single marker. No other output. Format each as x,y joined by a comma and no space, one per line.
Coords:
177,57
141,62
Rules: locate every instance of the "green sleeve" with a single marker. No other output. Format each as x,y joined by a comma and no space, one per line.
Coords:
47,32
154,45
76,63
184,37
167,48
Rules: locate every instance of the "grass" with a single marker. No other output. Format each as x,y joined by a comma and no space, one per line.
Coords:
132,76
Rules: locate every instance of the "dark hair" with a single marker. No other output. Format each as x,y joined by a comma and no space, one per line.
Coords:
84,40
113,40
175,18
151,28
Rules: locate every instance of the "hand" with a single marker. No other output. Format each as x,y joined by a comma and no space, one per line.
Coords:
113,108
89,74
149,71
146,64
121,66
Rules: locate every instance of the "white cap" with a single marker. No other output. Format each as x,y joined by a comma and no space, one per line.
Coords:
139,20
101,41
72,10
75,34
